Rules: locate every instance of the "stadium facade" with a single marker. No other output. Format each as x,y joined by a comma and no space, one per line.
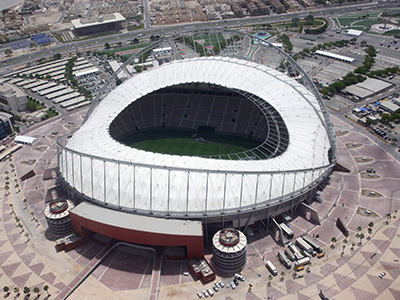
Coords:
232,87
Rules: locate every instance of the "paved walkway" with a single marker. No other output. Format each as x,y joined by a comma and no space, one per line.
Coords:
35,263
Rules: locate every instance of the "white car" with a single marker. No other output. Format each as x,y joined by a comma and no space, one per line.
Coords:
205,293
199,295
221,284
381,275
233,285
216,283
210,292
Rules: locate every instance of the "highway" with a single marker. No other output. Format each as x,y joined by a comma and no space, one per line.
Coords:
98,42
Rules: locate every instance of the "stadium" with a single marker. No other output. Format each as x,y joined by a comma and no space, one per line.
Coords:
220,132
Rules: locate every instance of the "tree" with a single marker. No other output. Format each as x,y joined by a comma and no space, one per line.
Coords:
359,228
135,41
56,56
344,247
369,232
25,202
27,291
346,234
283,276
16,291
8,52
46,289
107,45
118,81
352,245
295,22
371,224
361,237
388,217
309,19
333,239
36,291
269,279
6,290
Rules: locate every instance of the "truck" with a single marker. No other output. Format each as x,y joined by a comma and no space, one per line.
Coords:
290,254
313,244
295,251
284,260
304,245
302,262
271,268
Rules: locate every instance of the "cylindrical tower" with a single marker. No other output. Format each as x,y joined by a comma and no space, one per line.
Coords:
57,217
230,249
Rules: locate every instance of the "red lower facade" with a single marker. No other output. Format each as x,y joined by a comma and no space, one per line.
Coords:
84,227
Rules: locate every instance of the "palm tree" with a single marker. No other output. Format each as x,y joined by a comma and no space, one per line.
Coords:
371,224
36,291
16,291
25,202
33,215
12,208
361,237
359,228
344,247
282,276
394,216
270,279
333,242
388,217
6,290
46,289
346,235
369,232
27,236
26,291
352,245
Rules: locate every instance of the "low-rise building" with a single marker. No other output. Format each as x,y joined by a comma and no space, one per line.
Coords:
12,98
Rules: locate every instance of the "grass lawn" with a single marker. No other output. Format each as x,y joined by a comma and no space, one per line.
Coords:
180,142
210,40
392,32
136,46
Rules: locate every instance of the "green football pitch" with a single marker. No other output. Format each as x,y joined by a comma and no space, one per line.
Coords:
181,142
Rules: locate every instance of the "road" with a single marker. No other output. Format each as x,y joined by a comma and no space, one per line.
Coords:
97,43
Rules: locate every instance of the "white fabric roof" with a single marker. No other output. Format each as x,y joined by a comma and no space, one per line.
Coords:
188,176
335,56
24,139
354,32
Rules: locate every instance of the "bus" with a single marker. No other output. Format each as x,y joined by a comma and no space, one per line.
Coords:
295,251
313,244
302,262
271,268
284,260
290,254
286,231
304,245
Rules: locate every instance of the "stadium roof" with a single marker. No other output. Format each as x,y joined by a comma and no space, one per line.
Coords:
97,20
308,143
107,171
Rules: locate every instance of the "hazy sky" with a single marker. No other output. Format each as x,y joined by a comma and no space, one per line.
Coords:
9,3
